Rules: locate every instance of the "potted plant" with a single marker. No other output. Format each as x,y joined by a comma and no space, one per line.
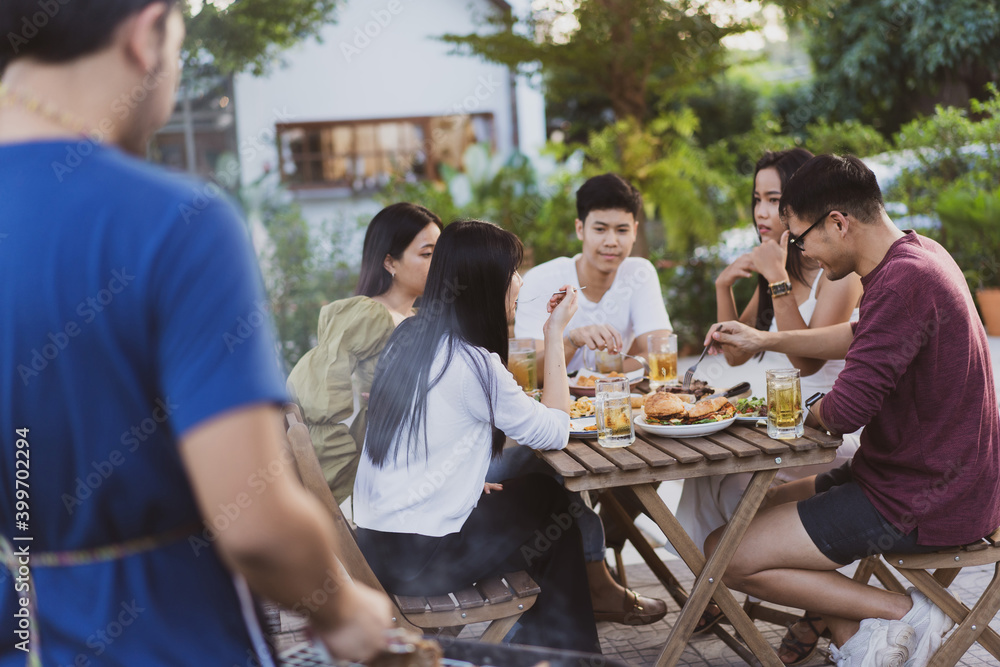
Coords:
970,225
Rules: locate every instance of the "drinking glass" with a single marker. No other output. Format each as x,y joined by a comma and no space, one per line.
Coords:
602,361
662,356
784,404
522,363
614,413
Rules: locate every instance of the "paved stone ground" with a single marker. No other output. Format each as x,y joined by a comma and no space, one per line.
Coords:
640,646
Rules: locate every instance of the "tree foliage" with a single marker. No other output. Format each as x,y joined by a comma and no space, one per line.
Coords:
621,59
251,34
951,173
885,61
303,268
949,147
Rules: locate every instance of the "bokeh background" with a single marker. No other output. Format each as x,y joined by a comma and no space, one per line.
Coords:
313,114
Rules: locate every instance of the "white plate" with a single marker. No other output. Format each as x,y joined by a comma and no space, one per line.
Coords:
634,378
576,427
683,431
743,418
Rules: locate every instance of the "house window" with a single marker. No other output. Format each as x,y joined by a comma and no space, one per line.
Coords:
364,154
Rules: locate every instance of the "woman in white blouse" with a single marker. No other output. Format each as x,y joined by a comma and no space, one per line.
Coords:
441,405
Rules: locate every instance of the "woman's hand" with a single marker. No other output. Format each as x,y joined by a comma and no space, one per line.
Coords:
770,257
742,267
555,389
561,308
490,486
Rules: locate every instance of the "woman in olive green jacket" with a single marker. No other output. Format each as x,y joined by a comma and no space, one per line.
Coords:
331,381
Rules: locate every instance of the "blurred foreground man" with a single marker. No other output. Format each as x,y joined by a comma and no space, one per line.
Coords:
918,377
142,473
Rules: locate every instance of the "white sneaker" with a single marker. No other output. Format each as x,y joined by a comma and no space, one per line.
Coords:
930,623
877,643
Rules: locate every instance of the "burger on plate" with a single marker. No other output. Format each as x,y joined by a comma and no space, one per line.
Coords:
711,410
669,410
663,408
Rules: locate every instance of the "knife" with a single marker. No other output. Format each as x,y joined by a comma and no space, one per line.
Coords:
735,390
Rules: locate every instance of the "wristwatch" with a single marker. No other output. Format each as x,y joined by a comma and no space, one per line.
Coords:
780,288
813,400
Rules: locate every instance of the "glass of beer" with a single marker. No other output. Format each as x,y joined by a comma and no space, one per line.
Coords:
662,356
614,413
784,404
522,363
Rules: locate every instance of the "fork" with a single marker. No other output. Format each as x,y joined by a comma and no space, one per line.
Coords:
535,298
690,372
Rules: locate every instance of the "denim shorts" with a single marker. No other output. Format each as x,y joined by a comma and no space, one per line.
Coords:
845,526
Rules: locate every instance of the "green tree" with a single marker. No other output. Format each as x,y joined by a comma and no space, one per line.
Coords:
251,34
625,61
303,269
622,58
886,61
946,148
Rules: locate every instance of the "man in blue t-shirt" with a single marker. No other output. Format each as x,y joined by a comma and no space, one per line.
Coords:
142,461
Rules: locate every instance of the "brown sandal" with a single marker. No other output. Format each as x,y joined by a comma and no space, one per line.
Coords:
708,620
636,610
801,650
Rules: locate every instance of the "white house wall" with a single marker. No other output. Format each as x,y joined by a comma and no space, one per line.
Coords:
379,61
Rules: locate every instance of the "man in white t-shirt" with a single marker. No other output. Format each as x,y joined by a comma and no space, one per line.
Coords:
622,303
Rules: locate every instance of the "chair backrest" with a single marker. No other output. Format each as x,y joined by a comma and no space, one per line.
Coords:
493,599
313,480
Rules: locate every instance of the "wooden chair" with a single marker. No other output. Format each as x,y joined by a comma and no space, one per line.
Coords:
973,624
499,600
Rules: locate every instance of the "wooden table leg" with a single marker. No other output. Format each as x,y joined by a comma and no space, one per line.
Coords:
659,569
709,573
662,572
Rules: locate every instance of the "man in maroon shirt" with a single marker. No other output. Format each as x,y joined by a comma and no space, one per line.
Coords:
919,379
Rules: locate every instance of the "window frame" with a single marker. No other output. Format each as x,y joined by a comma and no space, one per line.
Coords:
423,121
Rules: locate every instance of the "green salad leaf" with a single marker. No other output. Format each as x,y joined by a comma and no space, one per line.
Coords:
753,406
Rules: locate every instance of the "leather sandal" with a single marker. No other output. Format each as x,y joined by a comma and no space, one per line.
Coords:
802,651
708,620
636,610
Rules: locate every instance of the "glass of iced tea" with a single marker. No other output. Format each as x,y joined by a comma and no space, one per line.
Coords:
521,362
614,413
784,404
602,361
661,351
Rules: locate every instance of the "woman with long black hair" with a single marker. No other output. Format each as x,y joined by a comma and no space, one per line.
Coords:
441,405
331,381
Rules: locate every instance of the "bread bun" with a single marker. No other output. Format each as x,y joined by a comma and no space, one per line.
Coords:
637,401
706,407
661,404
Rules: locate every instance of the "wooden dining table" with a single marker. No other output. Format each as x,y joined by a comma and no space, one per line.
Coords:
743,447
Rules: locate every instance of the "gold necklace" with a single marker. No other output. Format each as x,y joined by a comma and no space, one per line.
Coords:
46,110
